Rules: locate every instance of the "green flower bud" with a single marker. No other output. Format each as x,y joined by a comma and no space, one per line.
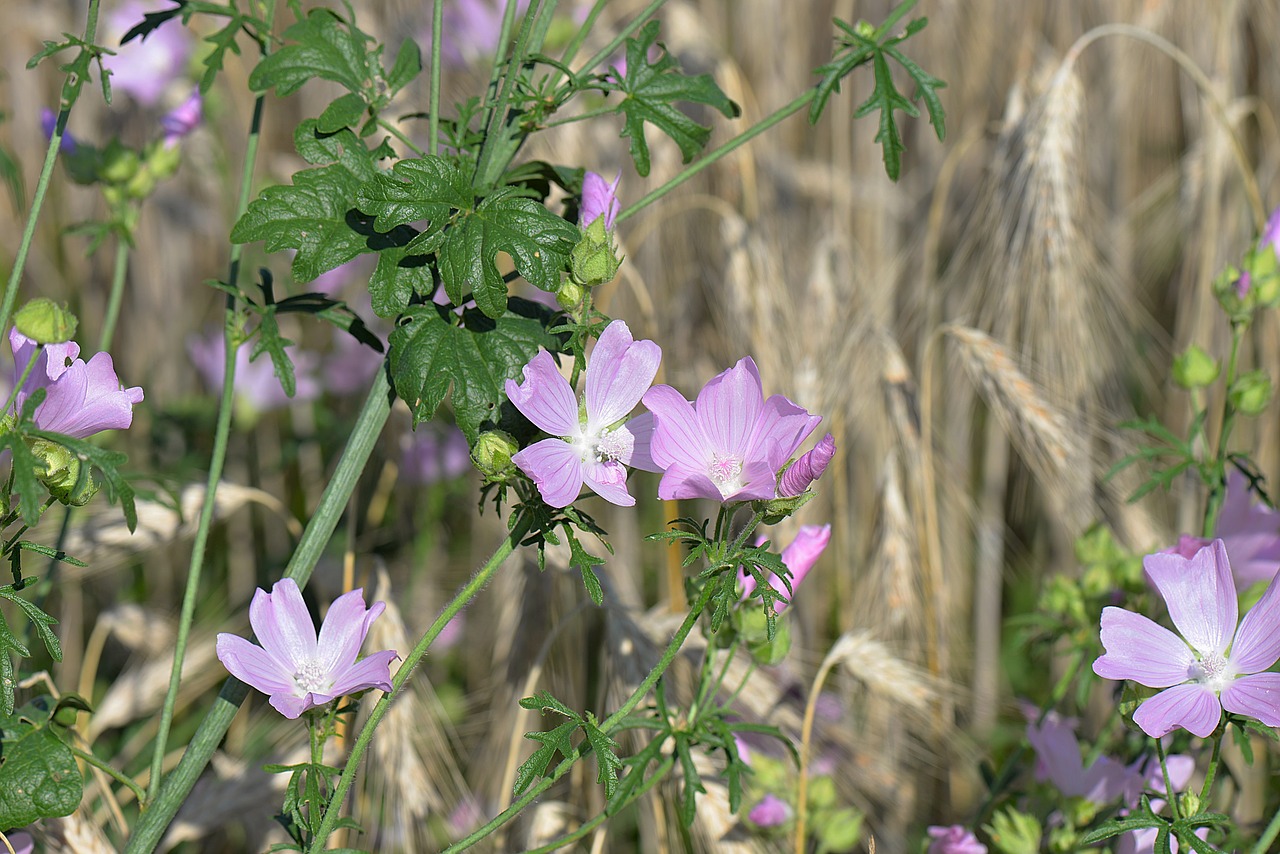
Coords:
754,628
841,831
67,480
1251,392
119,164
45,322
142,184
777,509
1263,271
492,454
1232,288
822,792
163,159
864,29
1195,368
570,295
1190,802
594,260
1014,832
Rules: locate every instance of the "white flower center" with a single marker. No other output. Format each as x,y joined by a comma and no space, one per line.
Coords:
312,677
725,472
605,446
1212,670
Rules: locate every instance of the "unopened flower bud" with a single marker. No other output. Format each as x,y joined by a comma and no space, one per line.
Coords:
804,471
1195,368
67,480
1251,392
119,163
1190,802
569,296
594,259
45,322
492,454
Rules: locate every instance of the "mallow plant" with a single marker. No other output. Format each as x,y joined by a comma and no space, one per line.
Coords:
556,404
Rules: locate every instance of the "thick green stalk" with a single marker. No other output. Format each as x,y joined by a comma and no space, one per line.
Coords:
460,601
118,271
1269,835
46,175
151,825
433,107
1212,772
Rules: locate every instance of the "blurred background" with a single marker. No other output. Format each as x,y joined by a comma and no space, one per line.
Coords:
972,335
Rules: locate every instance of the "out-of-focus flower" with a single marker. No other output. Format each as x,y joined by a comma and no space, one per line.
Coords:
144,67
770,812
1271,233
49,123
471,29
257,389
430,455
730,444
351,365
21,842
183,119
81,398
799,556
599,199
595,450
296,668
1152,777
955,839
1249,529
1198,674
1059,762
804,471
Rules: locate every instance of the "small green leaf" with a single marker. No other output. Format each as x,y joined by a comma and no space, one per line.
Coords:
39,777
40,621
344,112
692,782
324,46
407,66
550,743
270,341
606,750
26,470
50,552
545,701
9,643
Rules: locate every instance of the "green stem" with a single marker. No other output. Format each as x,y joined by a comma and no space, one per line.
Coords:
727,148
581,117
575,44
114,774
625,33
1269,835
1207,788
399,134
118,271
1172,796
534,792
460,601
1218,488
433,109
151,825
608,812
71,88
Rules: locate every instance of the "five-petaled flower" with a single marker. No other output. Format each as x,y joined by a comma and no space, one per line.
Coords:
81,398
1214,665
296,668
730,444
596,448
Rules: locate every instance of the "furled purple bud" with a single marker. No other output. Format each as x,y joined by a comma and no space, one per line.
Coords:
183,119
599,199
804,471
770,812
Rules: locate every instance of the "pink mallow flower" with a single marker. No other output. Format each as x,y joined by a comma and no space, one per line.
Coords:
145,67
599,199
81,398
730,444
801,474
595,449
257,388
799,557
432,454
1207,669
770,812
21,842
956,839
1250,530
296,668
1058,761
1151,777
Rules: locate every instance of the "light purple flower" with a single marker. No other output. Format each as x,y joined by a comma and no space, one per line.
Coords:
296,668
599,199
594,450
183,119
21,842
730,444
471,30
801,474
956,839
1271,233
429,455
351,365
1206,670
257,388
145,66
81,398
1058,761
799,556
1152,777
1250,530
49,123
770,812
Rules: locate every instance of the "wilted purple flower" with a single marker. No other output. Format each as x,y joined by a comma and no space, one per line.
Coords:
730,444
296,668
81,398
257,389
429,455
1208,671
49,123
145,66
799,556
1058,761
183,119
597,449
955,839
803,472
599,199
770,812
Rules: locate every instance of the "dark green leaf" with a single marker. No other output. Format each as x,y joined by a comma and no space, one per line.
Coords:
270,341
429,188
27,468
545,701
399,275
550,743
407,66
9,643
323,45
50,552
637,763
651,90
583,560
344,112
39,777
40,621
692,782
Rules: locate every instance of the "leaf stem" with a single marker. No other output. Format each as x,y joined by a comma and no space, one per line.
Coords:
399,134
121,778
460,601
611,810
581,117
1218,486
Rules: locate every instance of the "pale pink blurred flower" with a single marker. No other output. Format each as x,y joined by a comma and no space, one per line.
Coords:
431,454
257,388
1059,761
471,30
1249,529
183,119
599,199
799,556
350,366
770,812
144,68
955,839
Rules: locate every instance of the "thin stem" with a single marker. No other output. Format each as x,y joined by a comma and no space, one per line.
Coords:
727,148
1168,786
1218,489
151,825
46,175
118,271
581,117
433,108
113,773
1269,835
399,134
496,135
464,596
608,812
625,33
1207,788
575,44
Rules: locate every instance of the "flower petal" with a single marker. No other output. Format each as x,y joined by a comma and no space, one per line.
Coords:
618,375
292,706
1139,649
759,480
678,435
729,405
1193,706
609,481
545,398
283,625
1256,696
1257,643
87,399
373,671
800,556
779,430
682,482
641,457
253,665
556,467
343,631
1200,595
